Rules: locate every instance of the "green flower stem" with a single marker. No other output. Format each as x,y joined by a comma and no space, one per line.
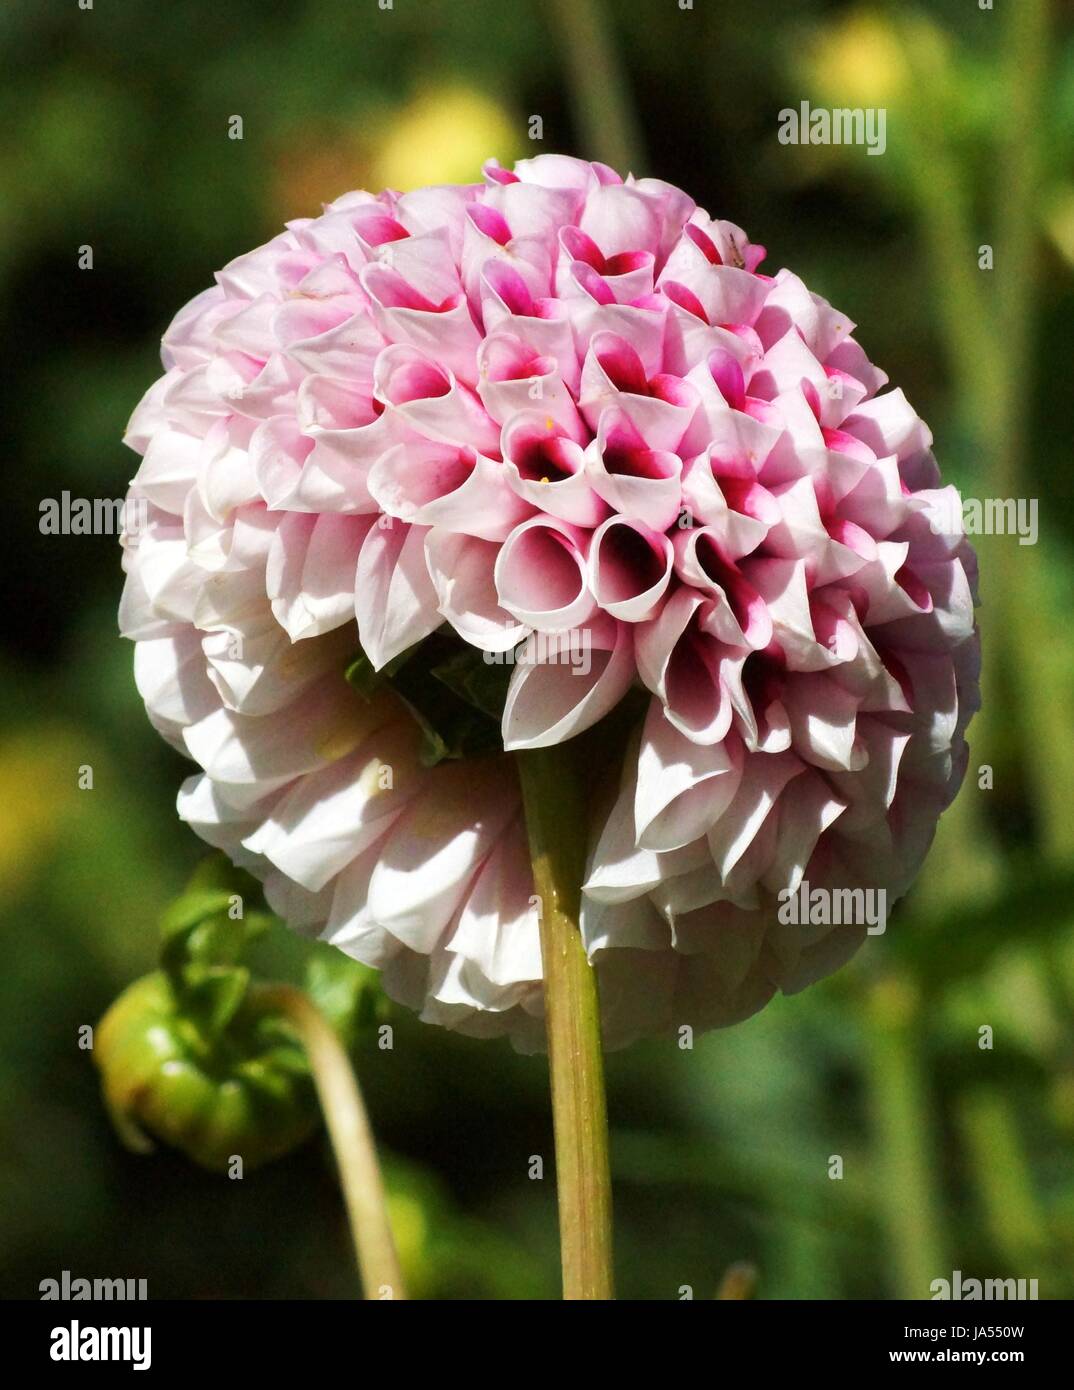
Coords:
556,823
904,1155
352,1140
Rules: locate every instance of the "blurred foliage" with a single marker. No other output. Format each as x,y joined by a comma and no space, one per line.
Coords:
115,120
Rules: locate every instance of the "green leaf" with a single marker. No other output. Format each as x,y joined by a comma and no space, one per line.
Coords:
348,993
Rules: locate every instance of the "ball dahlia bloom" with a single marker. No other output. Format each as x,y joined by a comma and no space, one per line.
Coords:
518,456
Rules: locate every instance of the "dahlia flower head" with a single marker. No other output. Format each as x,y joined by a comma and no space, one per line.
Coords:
549,450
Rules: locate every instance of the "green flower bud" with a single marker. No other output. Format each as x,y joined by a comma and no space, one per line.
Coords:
206,1068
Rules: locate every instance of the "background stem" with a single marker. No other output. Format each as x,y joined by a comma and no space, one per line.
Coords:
555,820
603,111
1002,1179
904,1143
352,1141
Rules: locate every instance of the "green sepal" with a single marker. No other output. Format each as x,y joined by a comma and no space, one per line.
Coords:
482,684
363,676
434,684
212,996
191,908
198,926
455,697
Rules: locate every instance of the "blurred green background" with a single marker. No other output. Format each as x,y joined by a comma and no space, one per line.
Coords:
115,136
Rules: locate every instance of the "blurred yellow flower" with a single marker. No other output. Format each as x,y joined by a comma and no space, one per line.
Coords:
443,135
868,59
38,790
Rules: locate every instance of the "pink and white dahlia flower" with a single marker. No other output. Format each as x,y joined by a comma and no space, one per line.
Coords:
470,469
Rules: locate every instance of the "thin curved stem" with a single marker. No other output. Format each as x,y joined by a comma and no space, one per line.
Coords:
352,1141
555,821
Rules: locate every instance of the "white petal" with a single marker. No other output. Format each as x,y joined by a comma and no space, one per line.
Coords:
683,787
